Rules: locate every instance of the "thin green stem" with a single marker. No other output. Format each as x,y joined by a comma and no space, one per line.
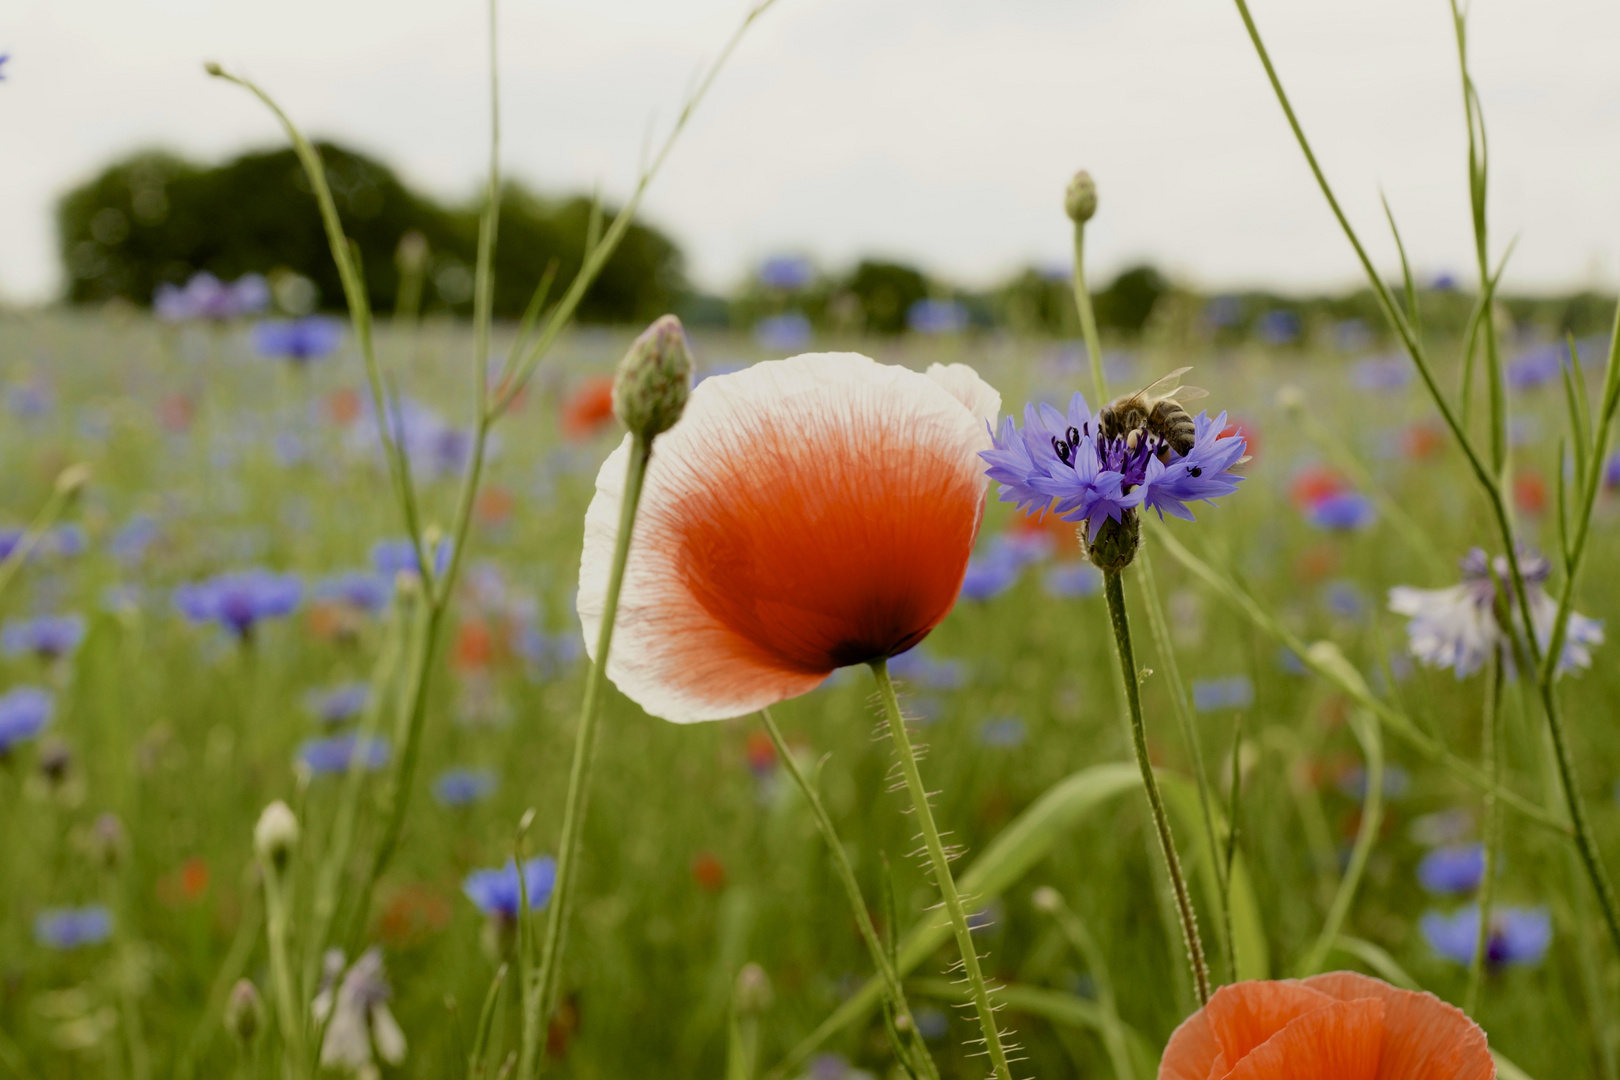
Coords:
538,1011
852,890
289,1017
1372,819
941,866
1088,317
1189,729
1114,590
1491,761
1085,943
61,495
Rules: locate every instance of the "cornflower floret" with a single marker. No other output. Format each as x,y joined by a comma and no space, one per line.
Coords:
1460,626
1063,462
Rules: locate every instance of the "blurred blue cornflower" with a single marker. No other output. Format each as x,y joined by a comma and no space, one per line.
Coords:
1096,479
1351,335
1342,511
1232,692
1279,326
358,589
130,543
463,787
48,637
207,297
390,558
1611,471
789,273
1345,599
496,892
30,399
548,656
63,541
10,540
238,601
1444,281
932,1023
1069,580
1002,731
1353,782
1289,661
1383,373
988,576
1224,312
313,337
3,58
921,671
24,712
1441,827
433,446
829,1067
936,317
333,754
986,918
1452,870
783,333
1539,366
1457,627
70,928
1516,936
333,705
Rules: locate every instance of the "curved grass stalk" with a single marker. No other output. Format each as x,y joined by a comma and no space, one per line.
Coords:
1081,940
1114,590
1372,818
1490,480
939,862
919,1057
1491,761
69,482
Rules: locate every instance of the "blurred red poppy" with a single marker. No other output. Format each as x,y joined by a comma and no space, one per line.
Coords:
343,406
1530,492
494,506
708,871
1314,483
588,409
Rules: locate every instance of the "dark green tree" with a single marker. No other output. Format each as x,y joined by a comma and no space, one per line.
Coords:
1129,300
886,292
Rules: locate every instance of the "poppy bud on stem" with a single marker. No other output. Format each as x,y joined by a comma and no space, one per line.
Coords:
654,380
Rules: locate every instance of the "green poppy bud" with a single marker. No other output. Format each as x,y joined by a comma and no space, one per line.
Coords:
654,379
1080,200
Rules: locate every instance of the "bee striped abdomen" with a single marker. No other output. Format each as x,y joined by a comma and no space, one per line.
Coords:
1170,422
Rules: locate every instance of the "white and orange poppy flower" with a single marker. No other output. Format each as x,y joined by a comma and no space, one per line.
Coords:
804,514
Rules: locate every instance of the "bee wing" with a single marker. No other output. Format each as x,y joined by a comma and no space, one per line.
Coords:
1165,386
1189,393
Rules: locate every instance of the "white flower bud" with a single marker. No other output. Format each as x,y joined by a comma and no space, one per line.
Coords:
1046,899
276,834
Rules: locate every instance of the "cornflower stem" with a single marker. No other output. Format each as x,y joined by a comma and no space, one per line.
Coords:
1491,762
977,989
1114,590
852,889
1490,481
1178,694
1088,317
289,1017
539,1004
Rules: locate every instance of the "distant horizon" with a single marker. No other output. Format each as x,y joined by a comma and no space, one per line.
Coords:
842,130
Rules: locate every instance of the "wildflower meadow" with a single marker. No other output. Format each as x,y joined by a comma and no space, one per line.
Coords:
397,692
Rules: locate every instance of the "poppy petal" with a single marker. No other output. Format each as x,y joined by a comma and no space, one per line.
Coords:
803,515
1343,1040
1424,1038
1237,1019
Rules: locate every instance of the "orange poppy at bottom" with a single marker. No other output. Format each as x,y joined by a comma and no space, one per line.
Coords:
1341,1026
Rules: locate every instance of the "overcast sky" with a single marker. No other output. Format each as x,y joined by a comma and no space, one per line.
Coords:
939,131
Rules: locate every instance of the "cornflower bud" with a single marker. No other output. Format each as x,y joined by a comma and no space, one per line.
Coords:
1047,899
244,1011
753,993
1114,545
71,480
1080,200
276,834
654,379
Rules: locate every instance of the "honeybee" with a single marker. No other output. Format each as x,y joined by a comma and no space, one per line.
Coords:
1155,409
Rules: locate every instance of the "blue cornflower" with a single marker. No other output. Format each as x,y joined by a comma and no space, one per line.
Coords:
1537,367
783,333
69,928
207,297
24,712
1383,373
932,1023
987,577
547,655
1342,511
64,541
3,58
10,541
1516,936
1002,731
462,787
789,273
937,317
30,399
495,892
1447,870
299,340
1233,692
48,637
921,671
1397,782
1278,326
239,601
1072,579
432,444
1062,462
338,703
1345,599
358,589
129,543
390,558
1222,312
332,755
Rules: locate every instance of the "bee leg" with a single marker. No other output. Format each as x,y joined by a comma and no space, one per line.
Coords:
1132,438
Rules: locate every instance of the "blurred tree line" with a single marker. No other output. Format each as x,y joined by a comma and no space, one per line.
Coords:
154,218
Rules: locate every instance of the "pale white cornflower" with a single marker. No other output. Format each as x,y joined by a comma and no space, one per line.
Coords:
1458,627
359,1017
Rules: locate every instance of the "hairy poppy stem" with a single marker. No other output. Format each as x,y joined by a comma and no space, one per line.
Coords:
541,999
1114,589
920,1059
941,865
